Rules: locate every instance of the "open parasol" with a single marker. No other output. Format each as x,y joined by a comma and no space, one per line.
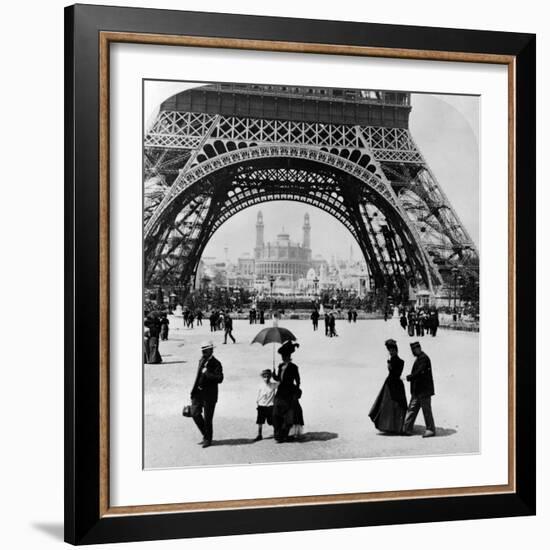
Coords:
273,335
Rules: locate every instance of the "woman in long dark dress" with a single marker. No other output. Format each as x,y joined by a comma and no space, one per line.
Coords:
410,323
389,408
287,411
153,324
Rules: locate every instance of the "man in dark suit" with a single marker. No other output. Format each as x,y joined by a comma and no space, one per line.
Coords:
422,389
332,326
327,324
228,328
204,394
315,319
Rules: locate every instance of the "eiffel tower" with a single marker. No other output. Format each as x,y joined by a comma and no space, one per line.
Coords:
214,150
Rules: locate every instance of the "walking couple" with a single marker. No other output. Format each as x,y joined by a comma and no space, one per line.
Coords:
390,412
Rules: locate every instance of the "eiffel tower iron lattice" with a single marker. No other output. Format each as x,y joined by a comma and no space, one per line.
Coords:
217,149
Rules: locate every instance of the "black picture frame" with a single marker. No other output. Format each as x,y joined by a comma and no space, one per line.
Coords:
84,521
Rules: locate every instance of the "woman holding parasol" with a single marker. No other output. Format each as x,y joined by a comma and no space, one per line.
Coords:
287,411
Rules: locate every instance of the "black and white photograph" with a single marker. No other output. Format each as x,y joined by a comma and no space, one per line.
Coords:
279,276
310,273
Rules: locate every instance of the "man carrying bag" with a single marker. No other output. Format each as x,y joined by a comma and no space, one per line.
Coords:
204,394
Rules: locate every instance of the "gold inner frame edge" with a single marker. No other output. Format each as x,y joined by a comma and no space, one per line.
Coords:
105,39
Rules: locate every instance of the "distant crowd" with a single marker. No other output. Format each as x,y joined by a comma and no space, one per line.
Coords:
156,327
418,322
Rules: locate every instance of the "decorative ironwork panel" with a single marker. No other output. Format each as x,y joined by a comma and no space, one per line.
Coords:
416,236
189,177
175,130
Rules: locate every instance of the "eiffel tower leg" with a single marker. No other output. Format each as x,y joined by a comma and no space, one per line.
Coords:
189,269
169,246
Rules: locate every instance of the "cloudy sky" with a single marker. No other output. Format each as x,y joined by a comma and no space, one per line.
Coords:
446,130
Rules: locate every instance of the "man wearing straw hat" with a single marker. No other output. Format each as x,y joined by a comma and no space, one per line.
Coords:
204,394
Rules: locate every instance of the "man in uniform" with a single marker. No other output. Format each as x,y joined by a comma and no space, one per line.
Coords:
204,394
422,389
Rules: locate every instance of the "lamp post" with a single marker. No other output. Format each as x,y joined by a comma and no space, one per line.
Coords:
271,281
458,281
477,301
315,286
459,291
454,271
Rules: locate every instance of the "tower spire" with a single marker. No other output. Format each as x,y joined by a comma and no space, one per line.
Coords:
259,234
306,241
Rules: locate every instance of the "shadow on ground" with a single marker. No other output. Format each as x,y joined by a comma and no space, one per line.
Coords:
317,436
306,437
419,430
239,441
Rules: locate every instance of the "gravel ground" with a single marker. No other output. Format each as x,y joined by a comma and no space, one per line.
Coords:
340,380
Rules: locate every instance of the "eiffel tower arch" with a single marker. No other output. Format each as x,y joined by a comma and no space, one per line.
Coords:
215,150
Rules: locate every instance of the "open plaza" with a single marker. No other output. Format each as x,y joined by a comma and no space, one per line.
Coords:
340,379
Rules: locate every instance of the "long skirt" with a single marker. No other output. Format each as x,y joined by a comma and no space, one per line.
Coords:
298,426
146,349
154,355
389,408
285,410
298,414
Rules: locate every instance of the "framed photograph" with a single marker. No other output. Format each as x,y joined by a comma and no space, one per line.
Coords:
299,274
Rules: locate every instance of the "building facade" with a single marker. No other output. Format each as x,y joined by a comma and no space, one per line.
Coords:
284,259
284,266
